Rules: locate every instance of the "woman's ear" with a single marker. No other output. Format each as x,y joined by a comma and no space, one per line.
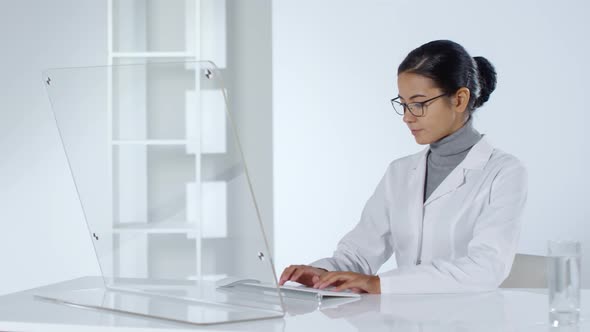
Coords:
461,100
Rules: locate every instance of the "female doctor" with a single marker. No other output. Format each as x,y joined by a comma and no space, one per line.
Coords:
451,213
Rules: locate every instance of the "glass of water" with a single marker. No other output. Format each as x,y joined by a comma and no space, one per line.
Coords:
564,278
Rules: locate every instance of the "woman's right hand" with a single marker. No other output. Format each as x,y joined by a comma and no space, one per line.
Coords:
303,274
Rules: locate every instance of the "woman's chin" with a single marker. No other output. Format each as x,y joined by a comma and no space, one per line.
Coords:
421,140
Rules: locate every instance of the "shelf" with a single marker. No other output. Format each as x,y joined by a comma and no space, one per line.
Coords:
141,55
177,227
169,227
209,277
151,142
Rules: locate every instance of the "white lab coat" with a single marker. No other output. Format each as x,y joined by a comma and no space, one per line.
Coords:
463,238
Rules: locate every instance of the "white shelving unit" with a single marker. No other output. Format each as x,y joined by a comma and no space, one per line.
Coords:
144,31
151,55
151,142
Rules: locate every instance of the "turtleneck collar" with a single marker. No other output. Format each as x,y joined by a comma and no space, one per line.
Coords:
454,144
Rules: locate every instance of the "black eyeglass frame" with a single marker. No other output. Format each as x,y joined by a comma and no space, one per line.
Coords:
405,106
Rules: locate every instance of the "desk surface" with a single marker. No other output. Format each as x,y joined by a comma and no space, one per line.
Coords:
502,310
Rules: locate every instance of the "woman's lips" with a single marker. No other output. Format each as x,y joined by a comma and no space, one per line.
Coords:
415,131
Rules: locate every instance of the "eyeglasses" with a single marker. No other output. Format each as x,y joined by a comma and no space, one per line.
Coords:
417,109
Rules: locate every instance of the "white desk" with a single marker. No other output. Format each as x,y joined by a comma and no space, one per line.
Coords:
503,310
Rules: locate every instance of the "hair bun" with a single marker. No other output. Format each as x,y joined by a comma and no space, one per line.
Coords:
487,80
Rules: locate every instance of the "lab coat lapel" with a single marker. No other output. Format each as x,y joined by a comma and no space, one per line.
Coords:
454,180
476,159
415,201
417,187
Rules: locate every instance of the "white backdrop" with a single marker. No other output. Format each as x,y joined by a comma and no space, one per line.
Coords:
334,64
335,132
43,238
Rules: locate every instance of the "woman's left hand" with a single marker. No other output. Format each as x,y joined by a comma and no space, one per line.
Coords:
356,282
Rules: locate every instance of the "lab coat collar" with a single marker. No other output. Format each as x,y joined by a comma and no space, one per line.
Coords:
476,159
478,156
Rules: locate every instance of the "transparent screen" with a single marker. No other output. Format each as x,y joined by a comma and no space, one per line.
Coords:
165,192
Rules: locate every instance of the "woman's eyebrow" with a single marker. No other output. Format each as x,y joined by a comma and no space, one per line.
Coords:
412,97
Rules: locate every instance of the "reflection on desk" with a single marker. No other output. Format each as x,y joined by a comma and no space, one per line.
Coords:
502,310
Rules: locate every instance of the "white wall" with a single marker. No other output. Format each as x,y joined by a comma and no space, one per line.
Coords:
335,132
42,235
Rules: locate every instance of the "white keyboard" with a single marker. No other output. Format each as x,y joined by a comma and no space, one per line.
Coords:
299,289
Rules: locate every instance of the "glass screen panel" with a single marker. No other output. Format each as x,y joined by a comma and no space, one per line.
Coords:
165,192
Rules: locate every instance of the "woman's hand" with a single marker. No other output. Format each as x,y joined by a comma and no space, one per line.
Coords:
356,282
303,274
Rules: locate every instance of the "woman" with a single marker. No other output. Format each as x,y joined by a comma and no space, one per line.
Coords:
451,213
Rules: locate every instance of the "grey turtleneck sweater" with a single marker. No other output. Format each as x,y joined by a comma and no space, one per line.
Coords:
445,154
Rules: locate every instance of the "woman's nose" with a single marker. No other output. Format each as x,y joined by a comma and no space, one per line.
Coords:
409,117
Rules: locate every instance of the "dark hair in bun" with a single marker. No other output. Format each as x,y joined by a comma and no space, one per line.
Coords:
450,66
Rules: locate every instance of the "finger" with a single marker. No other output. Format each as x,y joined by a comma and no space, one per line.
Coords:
357,285
330,280
298,273
356,290
322,278
353,283
284,275
287,274
294,269
327,275
315,279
